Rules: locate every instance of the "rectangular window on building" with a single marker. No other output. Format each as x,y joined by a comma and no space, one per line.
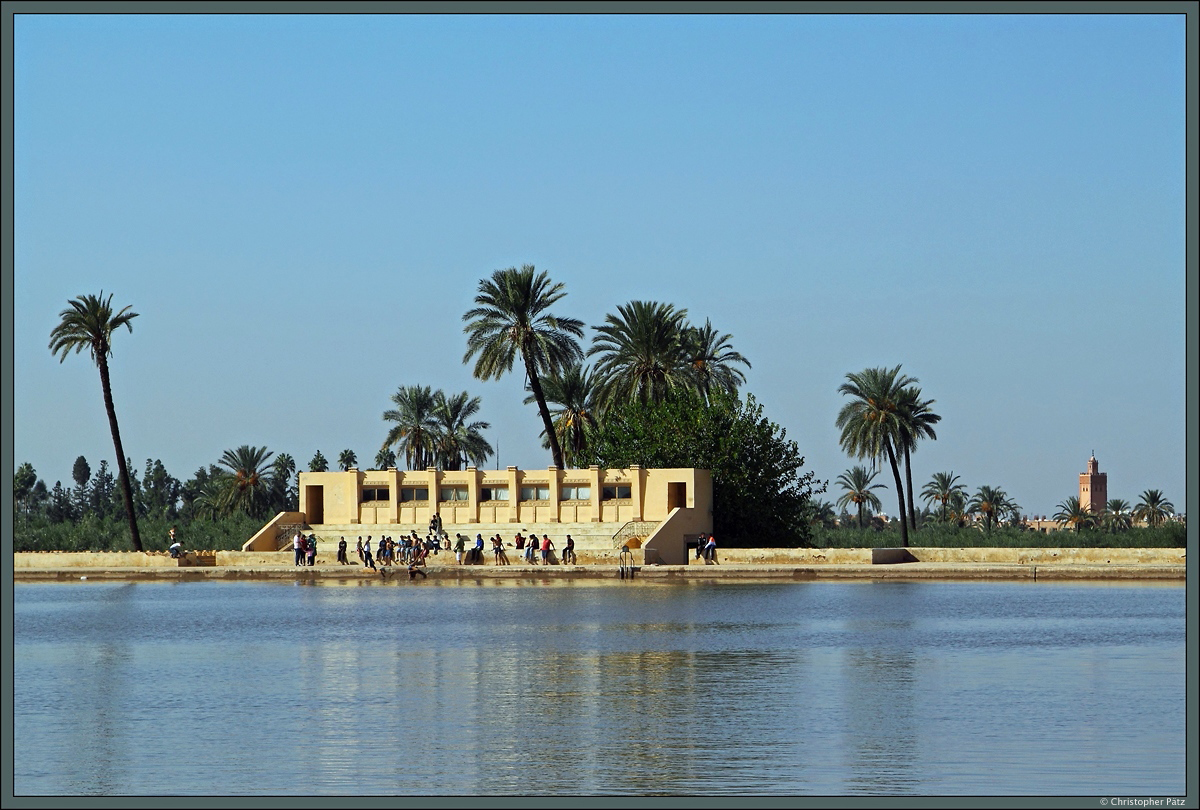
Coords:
493,494
618,492
374,494
452,494
408,494
575,492
534,493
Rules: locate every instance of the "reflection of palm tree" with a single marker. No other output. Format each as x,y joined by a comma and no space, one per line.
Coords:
510,319
641,352
1154,508
574,392
1074,514
710,359
917,424
941,488
458,440
857,483
871,422
416,425
89,323
248,486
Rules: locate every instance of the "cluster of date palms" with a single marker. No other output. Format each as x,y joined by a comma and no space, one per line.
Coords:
642,353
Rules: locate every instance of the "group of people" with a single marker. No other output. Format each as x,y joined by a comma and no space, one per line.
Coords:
413,551
305,549
528,548
706,548
409,550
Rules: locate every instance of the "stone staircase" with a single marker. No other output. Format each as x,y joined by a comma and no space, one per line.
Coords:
586,535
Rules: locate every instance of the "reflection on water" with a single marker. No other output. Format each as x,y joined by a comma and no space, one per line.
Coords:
550,688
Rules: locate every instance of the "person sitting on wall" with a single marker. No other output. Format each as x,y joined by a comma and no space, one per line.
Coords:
569,557
176,549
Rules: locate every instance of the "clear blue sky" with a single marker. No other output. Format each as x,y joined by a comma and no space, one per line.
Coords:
300,209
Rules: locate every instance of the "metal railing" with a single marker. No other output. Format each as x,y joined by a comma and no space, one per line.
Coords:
640,529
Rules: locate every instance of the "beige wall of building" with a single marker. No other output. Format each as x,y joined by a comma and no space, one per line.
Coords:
512,495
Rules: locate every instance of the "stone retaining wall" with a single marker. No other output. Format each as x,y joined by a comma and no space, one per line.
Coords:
725,557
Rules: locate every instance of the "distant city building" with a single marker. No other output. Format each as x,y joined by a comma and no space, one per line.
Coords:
1093,487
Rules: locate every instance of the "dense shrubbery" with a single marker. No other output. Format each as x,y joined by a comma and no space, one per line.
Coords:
1171,535
91,533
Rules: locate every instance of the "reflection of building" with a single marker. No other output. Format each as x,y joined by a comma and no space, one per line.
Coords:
1093,487
666,507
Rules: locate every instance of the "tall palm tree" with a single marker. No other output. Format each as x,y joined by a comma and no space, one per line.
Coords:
511,319
574,393
641,352
870,423
857,483
347,459
457,439
992,503
941,488
385,459
1154,508
416,425
917,424
711,359
89,323
248,485
283,473
1074,514
1117,516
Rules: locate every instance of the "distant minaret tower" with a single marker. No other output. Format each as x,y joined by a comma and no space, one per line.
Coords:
1093,487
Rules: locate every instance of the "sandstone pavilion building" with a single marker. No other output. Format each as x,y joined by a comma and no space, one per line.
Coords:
661,512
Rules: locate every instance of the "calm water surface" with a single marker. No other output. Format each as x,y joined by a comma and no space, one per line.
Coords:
535,687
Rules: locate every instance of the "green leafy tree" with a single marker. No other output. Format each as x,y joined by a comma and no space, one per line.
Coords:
385,459
81,474
511,319
60,509
287,485
760,495
89,323
160,492
103,493
318,463
574,395
416,426
347,459
872,422
641,353
942,488
458,439
822,514
1154,508
1074,514
246,485
992,504
857,485
1117,516
24,480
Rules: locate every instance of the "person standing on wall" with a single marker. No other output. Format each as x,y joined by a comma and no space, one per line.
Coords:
342,552
298,547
